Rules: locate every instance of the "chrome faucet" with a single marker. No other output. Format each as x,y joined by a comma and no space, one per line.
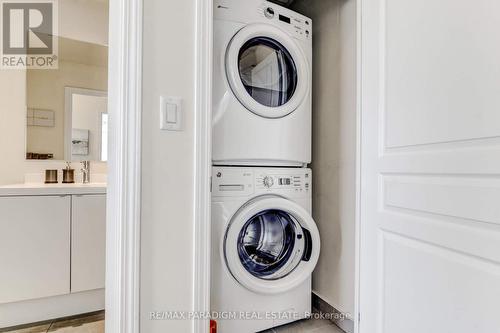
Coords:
86,172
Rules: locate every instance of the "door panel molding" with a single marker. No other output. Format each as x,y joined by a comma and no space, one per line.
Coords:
447,274
465,197
462,97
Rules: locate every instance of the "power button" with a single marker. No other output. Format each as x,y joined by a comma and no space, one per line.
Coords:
269,12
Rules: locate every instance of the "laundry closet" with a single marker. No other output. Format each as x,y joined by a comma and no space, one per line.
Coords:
284,160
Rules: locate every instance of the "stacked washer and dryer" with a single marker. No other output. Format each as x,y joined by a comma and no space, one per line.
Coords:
265,244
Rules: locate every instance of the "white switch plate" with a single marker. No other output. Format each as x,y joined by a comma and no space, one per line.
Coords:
171,113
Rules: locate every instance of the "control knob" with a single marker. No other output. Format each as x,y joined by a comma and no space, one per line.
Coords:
268,181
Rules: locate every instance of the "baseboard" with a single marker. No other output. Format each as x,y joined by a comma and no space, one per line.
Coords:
334,315
42,309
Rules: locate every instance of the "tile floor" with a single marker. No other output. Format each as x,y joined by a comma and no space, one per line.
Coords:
91,323
309,326
94,323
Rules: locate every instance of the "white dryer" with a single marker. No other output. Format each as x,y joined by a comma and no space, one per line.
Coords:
265,245
262,84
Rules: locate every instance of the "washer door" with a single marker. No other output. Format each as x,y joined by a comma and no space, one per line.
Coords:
267,70
271,245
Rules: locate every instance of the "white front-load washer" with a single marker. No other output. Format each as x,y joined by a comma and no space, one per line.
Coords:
265,245
261,85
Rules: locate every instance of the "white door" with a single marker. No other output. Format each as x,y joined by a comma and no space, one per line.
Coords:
430,183
88,242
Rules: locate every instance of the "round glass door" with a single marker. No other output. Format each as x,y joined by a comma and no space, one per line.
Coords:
271,245
267,244
267,71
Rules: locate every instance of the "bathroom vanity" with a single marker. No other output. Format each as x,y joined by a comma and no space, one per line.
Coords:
52,251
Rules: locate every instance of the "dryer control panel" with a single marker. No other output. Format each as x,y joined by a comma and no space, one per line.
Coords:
243,11
238,181
287,19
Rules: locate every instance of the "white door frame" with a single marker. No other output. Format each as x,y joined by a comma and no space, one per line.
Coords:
124,180
203,162
124,166
357,278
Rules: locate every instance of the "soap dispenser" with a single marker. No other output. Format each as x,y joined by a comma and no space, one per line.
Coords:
68,174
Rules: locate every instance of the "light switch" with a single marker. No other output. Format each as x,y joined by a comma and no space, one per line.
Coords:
170,113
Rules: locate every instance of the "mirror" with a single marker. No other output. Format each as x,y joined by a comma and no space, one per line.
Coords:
86,125
67,115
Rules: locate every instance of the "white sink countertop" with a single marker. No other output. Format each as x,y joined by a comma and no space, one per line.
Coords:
52,189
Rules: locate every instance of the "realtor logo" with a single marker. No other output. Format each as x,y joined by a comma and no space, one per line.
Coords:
29,36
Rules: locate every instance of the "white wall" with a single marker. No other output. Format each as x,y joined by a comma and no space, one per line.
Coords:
84,20
167,165
334,146
12,125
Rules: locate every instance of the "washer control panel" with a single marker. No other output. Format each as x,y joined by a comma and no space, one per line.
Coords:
241,181
290,181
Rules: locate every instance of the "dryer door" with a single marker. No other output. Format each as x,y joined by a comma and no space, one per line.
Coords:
267,70
271,245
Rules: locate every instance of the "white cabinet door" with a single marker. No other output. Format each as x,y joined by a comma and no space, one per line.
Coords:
88,242
34,247
430,186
